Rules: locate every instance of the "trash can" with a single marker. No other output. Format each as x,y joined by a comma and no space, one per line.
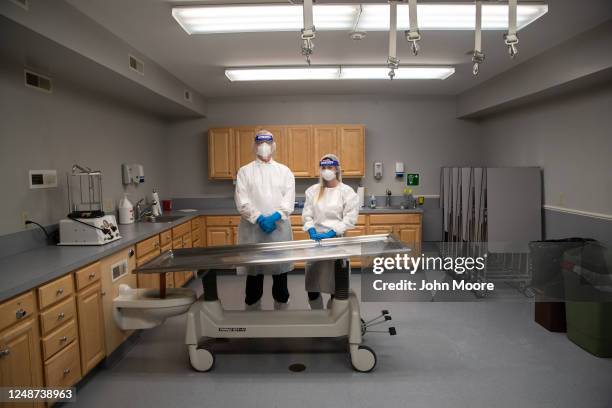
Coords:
547,280
587,273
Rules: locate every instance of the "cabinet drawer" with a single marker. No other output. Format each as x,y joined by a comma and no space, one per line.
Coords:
55,291
296,220
57,340
64,369
143,260
361,220
181,230
165,237
177,243
16,309
87,275
146,246
222,220
395,218
166,248
57,315
187,243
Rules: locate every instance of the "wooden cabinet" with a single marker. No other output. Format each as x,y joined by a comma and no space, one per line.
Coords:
91,326
300,150
20,358
351,140
411,235
244,137
217,235
297,146
325,141
408,227
221,154
145,251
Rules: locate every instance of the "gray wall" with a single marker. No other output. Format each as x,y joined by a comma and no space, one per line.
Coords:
570,139
421,131
54,131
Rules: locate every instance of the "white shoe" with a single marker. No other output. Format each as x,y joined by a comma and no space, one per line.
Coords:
316,304
281,306
254,306
330,302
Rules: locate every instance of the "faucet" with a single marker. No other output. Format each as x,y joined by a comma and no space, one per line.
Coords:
139,212
388,198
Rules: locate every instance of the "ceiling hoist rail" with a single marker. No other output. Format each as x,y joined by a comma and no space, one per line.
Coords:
412,35
308,32
392,60
477,55
511,38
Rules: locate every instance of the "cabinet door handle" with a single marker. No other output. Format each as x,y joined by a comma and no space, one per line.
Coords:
66,371
103,293
63,339
61,316
131,253
60,291
5,352
20,314
92,275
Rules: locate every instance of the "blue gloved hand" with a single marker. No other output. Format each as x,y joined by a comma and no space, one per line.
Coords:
328,234
275,217
261,221
313,233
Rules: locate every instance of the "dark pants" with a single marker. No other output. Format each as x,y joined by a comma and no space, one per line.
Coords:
254,288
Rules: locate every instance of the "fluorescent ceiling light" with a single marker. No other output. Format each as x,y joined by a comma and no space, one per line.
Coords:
334,73
329,17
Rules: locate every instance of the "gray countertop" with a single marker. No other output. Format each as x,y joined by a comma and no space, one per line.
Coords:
26,270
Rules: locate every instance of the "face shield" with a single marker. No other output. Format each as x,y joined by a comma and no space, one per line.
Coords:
329,168
264,145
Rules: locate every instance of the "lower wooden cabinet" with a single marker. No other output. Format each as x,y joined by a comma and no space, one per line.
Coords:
91,326
63,369
217,235
20,358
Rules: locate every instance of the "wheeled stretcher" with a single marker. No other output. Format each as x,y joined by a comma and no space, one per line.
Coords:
207,319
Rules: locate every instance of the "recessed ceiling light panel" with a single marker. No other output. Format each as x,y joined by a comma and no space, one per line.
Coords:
330,17
335,73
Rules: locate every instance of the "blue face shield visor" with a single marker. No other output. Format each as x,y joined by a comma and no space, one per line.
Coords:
264,138
328,163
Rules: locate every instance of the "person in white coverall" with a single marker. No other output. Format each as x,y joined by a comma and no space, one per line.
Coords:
265,197
331,208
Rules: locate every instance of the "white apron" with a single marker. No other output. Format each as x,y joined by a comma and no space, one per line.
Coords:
251,234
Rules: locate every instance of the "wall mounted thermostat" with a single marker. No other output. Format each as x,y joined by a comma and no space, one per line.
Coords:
378,170
43,178
132,173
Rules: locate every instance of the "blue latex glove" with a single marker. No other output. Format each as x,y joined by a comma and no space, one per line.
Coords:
268,223
261,221
274,217
328,234
313,233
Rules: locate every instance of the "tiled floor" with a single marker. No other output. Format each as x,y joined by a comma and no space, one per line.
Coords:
445,355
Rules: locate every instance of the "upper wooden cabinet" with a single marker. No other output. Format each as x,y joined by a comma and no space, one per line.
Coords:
351,141
325,142
244,145
297,146
221,154
299,150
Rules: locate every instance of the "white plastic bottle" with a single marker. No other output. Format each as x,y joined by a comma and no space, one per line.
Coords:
126,211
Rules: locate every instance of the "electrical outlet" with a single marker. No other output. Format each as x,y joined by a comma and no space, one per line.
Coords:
24,216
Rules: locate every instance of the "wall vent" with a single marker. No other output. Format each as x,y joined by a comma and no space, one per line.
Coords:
24,4
37,81
187,95
136,65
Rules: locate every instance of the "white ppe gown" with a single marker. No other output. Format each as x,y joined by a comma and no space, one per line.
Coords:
336,210
263,188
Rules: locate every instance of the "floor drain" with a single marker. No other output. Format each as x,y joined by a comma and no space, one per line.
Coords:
296,368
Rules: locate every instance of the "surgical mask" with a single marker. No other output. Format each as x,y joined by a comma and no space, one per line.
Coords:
264,150
328,175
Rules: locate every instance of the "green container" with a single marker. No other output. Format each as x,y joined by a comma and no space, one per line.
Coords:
589,307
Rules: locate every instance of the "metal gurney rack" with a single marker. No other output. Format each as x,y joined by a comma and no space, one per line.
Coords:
207,319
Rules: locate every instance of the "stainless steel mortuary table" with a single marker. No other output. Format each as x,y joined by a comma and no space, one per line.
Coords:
207,319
